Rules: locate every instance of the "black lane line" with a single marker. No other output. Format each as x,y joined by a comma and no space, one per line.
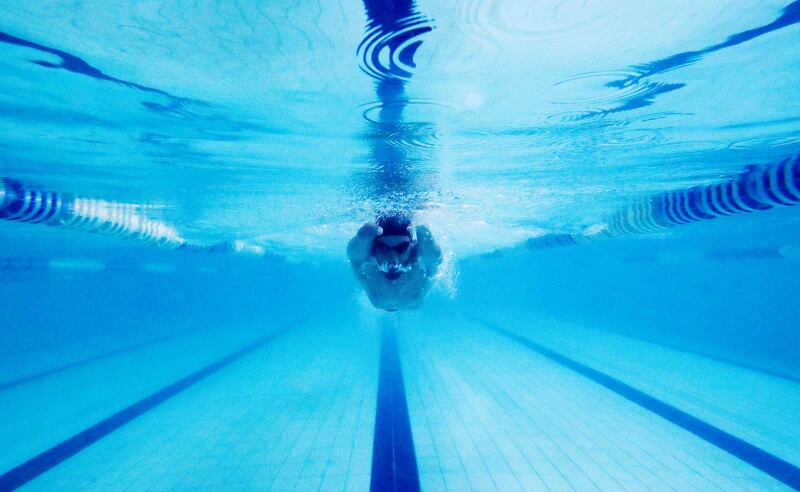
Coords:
394,464
88,360
706,355
24,473
768,463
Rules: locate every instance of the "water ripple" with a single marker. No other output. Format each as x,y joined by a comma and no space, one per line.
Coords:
766,142
528,20
576,117
790,16
636,93
389,53
428,137
593,88
415,111
630,137
420,137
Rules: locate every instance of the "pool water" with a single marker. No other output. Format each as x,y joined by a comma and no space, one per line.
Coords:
613,189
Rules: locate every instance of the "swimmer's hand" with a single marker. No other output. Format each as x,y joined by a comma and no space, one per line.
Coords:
370,231
429,252
360,247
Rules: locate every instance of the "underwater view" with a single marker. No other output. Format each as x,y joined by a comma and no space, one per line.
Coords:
400,245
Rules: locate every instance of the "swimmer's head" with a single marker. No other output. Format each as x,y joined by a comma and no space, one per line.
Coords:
395,249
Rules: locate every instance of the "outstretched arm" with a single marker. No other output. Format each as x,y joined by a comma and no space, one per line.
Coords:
429,252
360,247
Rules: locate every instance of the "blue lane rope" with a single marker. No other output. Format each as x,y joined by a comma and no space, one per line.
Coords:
758,188
23,203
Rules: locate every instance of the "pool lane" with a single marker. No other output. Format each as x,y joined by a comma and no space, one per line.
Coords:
448,405
296,414
50,458
490,414
394,463
754,406
96,357
770,464
42,413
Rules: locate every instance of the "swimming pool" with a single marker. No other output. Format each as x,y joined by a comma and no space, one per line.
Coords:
610,298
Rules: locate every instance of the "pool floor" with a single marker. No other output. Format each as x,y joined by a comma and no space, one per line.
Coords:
296,410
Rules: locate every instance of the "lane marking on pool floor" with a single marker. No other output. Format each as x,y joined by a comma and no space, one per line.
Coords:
394,463
707,355
94,358
768,463
41,463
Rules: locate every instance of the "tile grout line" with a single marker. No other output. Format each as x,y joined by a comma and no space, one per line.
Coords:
768,463
94,358
50,458
706,355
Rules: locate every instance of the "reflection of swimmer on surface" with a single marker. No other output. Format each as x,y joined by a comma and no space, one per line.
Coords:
395,265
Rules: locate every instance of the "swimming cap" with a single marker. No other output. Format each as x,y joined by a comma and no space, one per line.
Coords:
394,223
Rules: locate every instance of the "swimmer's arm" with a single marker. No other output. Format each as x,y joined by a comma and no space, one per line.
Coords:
360,247
429,252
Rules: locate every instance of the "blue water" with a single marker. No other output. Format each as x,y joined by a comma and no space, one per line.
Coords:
612,190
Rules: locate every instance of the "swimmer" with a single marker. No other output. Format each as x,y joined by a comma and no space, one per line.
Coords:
395,266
